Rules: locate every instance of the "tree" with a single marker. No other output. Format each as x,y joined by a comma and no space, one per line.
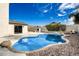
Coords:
55,27
76,15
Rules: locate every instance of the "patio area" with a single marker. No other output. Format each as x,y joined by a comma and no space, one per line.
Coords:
70,49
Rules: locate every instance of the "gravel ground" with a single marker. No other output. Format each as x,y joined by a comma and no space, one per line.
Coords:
70,49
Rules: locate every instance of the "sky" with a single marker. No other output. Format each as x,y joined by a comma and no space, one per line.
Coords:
40,14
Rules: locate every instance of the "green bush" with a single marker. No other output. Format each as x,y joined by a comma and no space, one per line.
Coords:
56,27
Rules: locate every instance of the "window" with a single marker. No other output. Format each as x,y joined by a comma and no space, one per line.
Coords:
17,29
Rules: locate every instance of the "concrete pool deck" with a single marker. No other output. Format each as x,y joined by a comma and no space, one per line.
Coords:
70,49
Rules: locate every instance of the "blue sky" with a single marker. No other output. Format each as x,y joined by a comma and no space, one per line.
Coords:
41,13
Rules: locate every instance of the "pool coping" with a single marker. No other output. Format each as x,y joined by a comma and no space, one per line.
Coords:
43,48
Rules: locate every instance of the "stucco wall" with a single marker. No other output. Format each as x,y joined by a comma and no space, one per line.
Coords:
4,19
11,29
25,30
72,27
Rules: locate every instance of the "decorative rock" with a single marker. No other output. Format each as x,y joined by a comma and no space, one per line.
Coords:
70,49
6,44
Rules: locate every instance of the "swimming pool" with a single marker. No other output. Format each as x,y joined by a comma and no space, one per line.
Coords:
37,42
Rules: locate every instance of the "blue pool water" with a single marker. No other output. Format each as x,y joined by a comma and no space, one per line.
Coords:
34,43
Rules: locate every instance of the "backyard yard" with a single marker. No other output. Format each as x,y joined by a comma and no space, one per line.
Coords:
70,49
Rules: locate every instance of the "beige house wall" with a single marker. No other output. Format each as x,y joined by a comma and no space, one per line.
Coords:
72,27
25,30
4,19
11,29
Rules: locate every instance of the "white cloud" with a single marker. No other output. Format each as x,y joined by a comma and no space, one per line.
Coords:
51,7
63,11
68,6
70,21
46,8
62,6
65,6
74,11
45,11
60,15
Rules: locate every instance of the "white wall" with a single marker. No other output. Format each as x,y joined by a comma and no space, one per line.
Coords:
25,30
4,19
72,27
11,29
